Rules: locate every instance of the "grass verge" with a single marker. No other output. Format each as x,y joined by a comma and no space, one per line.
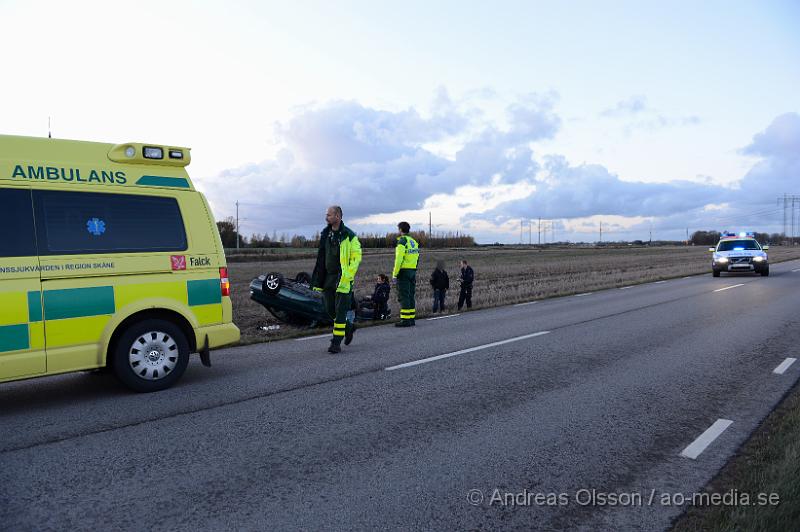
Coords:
768,463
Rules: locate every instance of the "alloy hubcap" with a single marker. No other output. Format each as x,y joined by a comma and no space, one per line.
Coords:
153,355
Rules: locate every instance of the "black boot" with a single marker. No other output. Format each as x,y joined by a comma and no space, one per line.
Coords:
335,347
348,335
402,323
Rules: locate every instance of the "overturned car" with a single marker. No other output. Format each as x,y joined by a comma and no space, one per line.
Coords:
293,301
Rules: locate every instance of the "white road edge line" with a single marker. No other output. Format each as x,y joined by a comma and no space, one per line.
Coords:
659,282
728,287
443,317
625,287
311,337
526,303
584,294
796,270
687,277
699,445
781,369
465,351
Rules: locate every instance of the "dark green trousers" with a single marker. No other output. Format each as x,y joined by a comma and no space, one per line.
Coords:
406,288
337,305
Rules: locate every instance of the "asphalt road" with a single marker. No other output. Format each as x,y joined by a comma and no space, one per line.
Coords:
532,408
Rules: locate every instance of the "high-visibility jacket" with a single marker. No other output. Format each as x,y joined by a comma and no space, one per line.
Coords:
349,259
406,254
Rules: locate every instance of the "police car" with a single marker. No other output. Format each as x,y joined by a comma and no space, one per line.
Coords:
109,257
739,253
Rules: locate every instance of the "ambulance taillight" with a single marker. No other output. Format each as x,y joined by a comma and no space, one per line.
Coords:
224,282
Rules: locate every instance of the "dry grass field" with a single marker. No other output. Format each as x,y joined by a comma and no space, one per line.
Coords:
503,275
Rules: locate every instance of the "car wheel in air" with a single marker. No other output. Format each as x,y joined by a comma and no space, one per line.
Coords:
303,278
273,283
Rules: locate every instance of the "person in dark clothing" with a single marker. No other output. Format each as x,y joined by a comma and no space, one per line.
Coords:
440,282
378,302
338,258
466,279
381,297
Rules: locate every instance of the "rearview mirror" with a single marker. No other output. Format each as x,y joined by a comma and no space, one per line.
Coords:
765,248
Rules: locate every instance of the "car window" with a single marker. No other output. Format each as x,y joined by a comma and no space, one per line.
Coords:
86,223
16,220
730,245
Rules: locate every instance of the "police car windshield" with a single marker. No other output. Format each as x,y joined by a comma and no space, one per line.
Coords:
730,245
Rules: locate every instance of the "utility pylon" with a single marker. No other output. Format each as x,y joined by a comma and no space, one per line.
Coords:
789,202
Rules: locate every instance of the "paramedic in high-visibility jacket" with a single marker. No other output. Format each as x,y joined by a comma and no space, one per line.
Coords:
338,258
406,256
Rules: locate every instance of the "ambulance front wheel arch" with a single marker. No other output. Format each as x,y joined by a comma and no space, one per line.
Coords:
150,354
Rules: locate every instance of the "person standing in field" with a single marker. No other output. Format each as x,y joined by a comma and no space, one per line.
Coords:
406,256
338,258
440,282
466,279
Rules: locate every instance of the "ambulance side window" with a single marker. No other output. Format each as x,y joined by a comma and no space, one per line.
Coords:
16,221
71,223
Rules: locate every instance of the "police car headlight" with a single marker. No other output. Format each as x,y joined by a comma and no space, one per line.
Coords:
722,259
758,259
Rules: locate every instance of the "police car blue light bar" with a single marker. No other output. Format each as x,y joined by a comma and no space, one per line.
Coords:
742,234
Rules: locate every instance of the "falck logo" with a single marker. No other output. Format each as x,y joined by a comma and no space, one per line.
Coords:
96,226
178,262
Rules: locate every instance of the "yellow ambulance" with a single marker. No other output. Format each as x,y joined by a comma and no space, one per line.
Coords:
109,257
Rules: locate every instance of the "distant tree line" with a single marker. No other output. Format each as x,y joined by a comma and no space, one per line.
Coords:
710,238
227,232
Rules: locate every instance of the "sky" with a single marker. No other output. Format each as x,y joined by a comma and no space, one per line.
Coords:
652,119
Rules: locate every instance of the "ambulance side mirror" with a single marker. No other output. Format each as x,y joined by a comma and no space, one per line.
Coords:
711,249
765,248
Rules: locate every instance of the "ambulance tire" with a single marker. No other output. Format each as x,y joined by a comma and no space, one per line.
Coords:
162,366
715,273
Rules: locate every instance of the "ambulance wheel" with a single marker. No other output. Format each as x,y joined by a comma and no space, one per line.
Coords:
715,273
765,272
151,355
272,283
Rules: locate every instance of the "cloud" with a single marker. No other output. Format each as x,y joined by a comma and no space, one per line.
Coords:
375,161
584,192
565,191
380,164
659,121
631,106
781,139
644,117
778,148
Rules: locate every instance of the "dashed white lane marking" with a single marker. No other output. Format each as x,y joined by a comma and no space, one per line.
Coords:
796,270
625,287
443,317
465,351
705,439
584,294
526,303
728,287
312,337
659,282
781,369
